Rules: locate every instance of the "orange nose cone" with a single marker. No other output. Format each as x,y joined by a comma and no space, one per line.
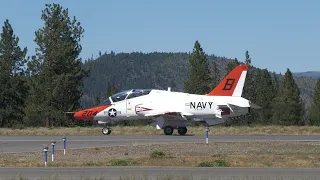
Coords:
88,114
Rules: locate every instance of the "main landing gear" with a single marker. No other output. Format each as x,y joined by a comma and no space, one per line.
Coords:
168,130
106,130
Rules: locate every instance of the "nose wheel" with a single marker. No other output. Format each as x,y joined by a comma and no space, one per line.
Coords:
106,130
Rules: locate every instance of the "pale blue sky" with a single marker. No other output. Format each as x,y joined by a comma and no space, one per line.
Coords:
278,34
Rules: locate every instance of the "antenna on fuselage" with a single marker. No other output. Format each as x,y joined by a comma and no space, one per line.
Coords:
169,89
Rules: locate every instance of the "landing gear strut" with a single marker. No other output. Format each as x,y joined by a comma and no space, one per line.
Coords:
106,130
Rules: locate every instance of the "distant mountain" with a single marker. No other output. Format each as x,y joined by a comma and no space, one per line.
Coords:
311,74
156,70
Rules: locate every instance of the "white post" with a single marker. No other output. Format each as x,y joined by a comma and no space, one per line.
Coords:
45,150
207,135
64,145
53,143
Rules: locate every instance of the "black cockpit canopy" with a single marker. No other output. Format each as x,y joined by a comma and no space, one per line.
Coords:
126,94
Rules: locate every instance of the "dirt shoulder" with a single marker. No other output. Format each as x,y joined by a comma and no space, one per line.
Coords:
236,154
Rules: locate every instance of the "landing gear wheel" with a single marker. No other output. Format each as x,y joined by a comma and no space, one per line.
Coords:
106,131
168,130
182,130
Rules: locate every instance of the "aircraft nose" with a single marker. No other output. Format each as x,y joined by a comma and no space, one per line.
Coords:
88,114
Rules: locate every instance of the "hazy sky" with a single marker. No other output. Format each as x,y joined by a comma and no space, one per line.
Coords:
278,34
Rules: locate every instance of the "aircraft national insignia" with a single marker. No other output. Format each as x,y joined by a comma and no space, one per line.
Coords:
112,112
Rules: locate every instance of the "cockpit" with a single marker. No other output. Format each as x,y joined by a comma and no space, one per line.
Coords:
127,94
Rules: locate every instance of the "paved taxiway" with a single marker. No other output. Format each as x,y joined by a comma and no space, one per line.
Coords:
154,172
35,143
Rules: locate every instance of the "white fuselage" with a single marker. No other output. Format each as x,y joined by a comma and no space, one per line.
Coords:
200,106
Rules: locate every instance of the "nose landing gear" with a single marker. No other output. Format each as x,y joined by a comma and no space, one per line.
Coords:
106,130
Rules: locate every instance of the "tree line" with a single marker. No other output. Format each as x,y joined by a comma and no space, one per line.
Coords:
39,90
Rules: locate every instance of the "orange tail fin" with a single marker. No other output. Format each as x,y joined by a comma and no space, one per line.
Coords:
232,84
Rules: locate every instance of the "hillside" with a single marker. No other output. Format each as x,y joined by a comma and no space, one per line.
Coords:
154,70
312,74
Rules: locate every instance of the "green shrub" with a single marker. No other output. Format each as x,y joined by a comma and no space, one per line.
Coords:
157,154
122,162
215,163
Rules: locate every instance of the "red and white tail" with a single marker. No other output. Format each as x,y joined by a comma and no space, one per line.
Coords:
232,84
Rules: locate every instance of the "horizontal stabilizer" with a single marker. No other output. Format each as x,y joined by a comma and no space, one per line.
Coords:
239,104
254,106
210,122
245,104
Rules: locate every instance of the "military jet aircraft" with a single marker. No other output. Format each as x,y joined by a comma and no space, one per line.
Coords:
172,110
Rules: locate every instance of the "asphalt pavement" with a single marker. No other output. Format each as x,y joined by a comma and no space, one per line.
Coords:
35,143
158,172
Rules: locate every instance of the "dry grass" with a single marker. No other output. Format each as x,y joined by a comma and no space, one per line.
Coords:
242,130
239,154
162,176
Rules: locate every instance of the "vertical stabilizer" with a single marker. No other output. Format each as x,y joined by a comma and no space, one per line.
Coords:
233,83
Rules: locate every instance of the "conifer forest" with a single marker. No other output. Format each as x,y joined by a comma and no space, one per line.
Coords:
37,90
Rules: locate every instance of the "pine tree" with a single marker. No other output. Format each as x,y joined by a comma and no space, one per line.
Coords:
111,89
314,109
287,105
13,89
275,82
249,86
97,101
249,89
265,93
57,85
199,80
232,65
248,59
215,78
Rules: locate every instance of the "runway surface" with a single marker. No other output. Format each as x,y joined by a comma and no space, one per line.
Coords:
35,143
154,172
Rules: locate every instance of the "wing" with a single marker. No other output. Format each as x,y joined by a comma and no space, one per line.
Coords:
168,113
175,119
211,122
149,112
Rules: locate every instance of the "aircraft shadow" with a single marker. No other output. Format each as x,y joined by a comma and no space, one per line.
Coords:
177,135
